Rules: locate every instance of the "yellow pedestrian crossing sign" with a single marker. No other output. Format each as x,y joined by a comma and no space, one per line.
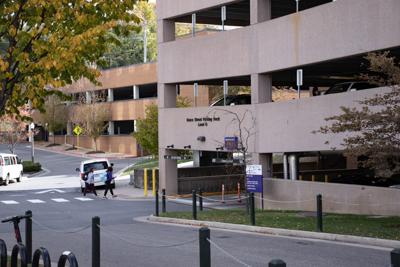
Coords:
78,130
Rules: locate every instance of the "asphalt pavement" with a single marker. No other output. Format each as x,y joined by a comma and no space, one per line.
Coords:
59,169
62,222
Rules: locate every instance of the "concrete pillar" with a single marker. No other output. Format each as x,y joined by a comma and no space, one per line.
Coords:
168,171
166,95
69,128
261,88
134,126
260,10
196,158
265,160
165,30
293,166
135,92
88,97
110,97
285,167
110,128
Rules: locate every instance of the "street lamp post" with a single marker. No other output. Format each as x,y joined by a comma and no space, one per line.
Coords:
32,128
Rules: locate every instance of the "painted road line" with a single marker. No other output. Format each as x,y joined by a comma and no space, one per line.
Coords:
83,198
9,202
60,200
36,201
50,191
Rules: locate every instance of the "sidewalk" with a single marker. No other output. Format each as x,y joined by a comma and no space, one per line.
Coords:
78,152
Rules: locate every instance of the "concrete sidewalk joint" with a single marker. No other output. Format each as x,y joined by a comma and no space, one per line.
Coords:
282,232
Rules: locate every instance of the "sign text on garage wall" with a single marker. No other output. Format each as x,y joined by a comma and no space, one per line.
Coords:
203,121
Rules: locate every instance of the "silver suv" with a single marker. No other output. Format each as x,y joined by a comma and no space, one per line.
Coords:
348,87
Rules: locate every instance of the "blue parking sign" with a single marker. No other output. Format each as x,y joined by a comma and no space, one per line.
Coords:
254,179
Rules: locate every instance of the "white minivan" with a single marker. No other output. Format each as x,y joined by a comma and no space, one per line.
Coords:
10,168
100,168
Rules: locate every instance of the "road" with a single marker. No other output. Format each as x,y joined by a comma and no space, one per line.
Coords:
60,169
62,221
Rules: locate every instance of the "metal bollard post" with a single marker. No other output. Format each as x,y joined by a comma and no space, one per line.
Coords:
96,242
194,205
145,183
28,235
252,209
164,204
204,245
395,257
153,176
319,213
247,204
200,200
157,212
277,263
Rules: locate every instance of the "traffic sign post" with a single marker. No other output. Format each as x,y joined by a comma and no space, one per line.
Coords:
77,131
299,81
254,181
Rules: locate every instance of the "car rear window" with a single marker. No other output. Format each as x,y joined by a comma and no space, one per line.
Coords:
101,165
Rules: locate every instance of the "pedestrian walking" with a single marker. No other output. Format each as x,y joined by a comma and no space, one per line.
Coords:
108,182
89,183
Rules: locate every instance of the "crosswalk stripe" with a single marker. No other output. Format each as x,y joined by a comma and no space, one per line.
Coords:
83,198
36,201
59,200
9,202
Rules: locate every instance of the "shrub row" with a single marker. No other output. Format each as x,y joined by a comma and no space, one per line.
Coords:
30,166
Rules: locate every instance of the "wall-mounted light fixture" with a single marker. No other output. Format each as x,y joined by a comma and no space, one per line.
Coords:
170,146
201,138
187,147
219,148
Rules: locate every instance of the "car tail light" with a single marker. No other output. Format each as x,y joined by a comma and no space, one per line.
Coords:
1,162
82,175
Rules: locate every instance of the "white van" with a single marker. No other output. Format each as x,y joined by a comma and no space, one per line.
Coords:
100,171
10,168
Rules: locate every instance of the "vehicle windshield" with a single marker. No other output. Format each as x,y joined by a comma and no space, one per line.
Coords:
100,165
338,88
234,100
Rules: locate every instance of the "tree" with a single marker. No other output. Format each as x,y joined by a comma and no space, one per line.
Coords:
147,128
13,129
49,44
92,116
131,48
56,115
373,129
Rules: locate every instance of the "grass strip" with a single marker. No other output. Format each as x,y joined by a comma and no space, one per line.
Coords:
357,225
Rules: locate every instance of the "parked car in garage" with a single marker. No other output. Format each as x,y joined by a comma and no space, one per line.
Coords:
100,168
348,87
10,168
232,100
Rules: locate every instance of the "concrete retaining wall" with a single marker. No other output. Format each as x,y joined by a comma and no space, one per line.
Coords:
337,198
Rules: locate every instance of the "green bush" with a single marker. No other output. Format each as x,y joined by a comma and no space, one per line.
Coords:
29,166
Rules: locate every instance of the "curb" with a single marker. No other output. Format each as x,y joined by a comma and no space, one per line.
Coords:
43,171
282,232
84,155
